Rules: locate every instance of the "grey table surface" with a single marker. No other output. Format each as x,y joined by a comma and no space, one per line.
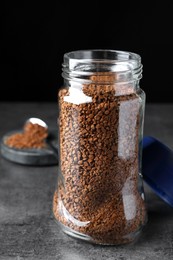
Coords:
27,227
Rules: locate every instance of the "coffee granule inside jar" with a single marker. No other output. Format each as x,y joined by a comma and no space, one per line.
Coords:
99,193
32,136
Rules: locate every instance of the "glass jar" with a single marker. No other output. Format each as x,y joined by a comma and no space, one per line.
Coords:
99,195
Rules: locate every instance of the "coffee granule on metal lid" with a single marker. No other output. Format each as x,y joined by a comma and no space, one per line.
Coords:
32,136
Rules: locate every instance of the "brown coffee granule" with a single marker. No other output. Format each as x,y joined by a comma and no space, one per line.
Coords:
98,194
32,136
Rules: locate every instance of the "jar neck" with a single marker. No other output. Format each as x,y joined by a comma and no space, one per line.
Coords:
102,67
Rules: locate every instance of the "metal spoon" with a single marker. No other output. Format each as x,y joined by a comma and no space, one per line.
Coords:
35,120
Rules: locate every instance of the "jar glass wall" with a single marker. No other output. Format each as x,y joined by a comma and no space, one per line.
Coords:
99,195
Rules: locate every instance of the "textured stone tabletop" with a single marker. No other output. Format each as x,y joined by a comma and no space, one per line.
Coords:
27,227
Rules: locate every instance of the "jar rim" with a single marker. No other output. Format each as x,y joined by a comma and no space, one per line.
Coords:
89,61
102,55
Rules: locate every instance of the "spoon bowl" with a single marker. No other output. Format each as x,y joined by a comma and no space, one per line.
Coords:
35,120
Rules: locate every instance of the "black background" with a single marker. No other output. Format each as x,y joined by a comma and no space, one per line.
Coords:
36,35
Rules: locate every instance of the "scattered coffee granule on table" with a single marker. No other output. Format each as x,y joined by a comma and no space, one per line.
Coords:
98,193
33,136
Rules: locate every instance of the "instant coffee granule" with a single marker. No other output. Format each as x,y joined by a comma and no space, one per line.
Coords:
98,193
32,136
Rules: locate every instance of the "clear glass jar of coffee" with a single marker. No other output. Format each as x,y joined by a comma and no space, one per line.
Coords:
99,195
